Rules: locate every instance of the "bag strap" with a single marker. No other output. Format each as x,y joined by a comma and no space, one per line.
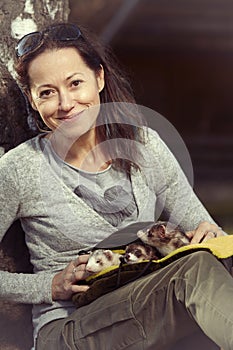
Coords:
140,274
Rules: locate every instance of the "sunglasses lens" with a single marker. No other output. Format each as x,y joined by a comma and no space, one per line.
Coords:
64,32
59,32
28,43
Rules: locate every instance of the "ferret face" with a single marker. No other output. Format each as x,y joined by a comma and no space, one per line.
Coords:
136,252
99,260
164,239
154,234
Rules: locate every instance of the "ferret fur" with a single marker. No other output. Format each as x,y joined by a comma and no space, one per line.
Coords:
136,252
164,239
100,259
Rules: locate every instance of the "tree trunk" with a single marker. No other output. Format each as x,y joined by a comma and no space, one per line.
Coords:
18,17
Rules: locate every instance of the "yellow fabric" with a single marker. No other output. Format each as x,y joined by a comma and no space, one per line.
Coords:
221,247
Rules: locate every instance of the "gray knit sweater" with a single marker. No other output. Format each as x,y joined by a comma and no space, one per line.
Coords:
58,223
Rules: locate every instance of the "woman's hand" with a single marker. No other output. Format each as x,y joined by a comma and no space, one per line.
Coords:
204,231
64,283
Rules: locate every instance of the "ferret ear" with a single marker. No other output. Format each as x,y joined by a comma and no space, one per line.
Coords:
161,230
108,254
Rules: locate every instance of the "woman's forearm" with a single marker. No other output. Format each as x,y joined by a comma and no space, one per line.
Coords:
26,288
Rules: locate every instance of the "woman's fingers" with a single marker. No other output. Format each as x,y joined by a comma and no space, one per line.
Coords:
204,232
65,282
208,235
79,267
79,288
81,259
79,273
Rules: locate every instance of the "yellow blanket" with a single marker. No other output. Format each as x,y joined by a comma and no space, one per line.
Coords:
117,276
221,247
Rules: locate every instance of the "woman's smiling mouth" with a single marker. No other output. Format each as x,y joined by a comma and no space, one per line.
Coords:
73,117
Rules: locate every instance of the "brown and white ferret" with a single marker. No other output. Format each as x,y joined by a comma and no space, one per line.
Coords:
155,238
139,251
100,259
163,238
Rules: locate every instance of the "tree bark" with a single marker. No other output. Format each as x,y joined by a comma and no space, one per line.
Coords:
17,18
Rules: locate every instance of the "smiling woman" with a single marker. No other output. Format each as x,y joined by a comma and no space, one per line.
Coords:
63,75
63,85
62,88
97,169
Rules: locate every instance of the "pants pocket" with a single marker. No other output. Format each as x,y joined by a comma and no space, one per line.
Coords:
111,328
56,335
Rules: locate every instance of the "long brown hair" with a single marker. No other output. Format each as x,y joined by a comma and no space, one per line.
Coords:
125,122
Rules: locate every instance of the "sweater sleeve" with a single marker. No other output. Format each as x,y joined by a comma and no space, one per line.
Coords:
9,194
18,287
26,288
179,204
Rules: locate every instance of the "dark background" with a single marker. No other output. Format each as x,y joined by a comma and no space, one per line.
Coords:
179,55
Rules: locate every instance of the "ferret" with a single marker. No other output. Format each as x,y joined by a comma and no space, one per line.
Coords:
165,240
136,252
100,259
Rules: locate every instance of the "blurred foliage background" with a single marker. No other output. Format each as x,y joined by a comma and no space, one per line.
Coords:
179,55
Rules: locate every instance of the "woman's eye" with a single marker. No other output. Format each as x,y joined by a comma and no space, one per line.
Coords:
76,82
46,93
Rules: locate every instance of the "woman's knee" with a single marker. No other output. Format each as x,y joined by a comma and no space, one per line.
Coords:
202,260
196,269
203,256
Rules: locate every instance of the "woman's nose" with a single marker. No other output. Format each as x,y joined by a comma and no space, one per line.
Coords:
66,102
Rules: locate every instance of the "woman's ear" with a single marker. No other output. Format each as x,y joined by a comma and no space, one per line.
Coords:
30,99
100,78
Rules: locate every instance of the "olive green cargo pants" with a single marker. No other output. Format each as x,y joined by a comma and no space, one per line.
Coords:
186,305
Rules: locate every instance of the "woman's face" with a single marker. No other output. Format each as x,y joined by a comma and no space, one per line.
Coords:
63,88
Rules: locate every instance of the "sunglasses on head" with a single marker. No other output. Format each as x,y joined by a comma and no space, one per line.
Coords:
59,32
